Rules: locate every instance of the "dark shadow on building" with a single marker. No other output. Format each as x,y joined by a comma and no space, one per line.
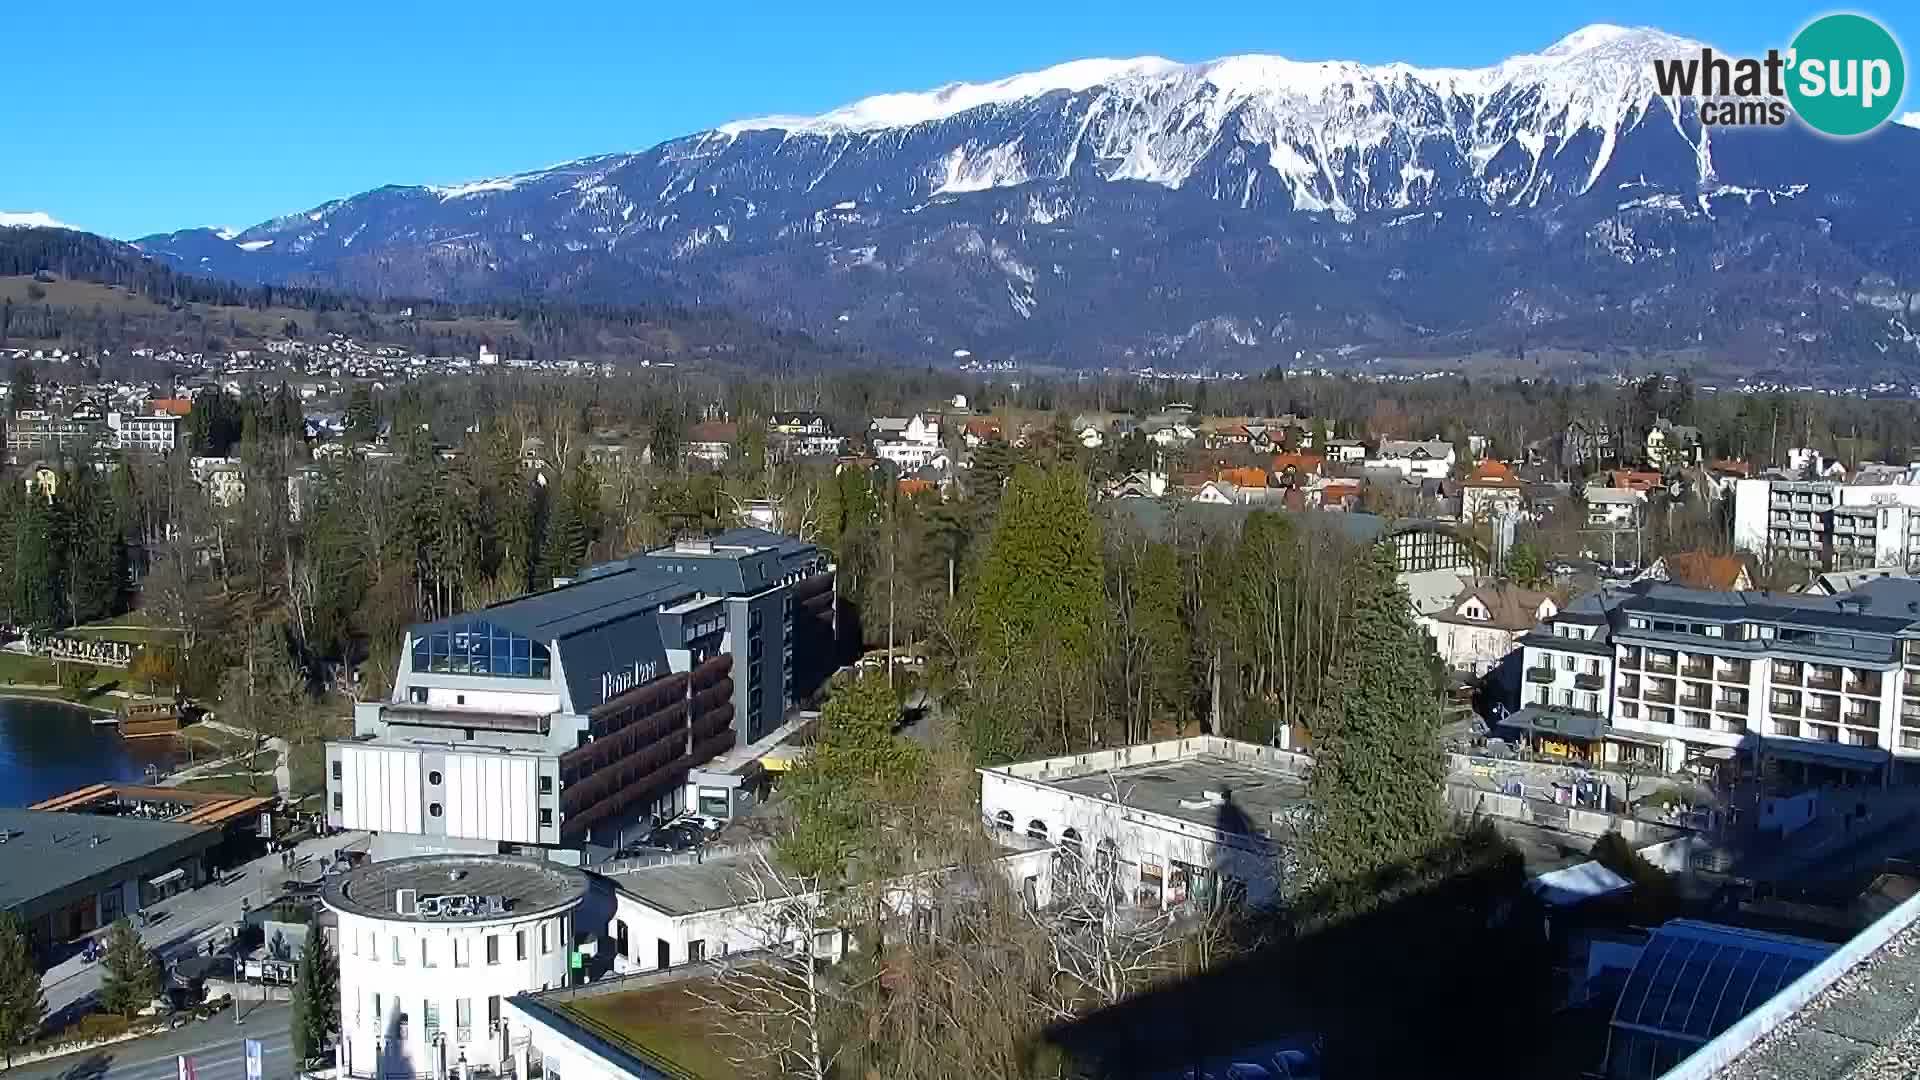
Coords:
1437,969
394,1059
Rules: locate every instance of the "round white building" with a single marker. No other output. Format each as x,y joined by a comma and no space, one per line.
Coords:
431,947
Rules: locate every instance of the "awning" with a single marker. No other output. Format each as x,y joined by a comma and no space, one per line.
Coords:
1846,757
1564,723
168,878
1642,738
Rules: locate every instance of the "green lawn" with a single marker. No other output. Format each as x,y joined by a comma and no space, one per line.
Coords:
15,668
128,628
667,1022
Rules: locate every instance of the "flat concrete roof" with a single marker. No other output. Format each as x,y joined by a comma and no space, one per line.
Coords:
50,858
1867,1025
1178,789
694,887
527,886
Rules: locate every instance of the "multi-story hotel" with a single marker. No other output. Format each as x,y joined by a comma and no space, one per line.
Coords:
1823,684
1871,521
551,722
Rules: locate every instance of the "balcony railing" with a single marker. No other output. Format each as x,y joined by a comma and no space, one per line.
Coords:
1659,665
1823,710
1736,670
1913,653
1588,681
1786,675
1664,697
1629,686
1693,701
1868,686
1540,674
1861,719
1785,708
1734,727
1698,721
1823,682
1630,658
1731,705
1697,669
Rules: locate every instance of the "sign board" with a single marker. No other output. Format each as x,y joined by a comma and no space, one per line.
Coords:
256,1060
186,1067
574,960
266,825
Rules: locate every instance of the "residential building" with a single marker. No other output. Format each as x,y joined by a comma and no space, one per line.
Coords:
1587,442
1187,821
1613,508
910,443
1490,490
156,433
802,435
557,720
712,442
1835,582
1414,460
35,433
221,478
1566,697
980,429
1433,545
1484,623
1670,445
1347,451
1830,524
1297,469
431,948
1700,570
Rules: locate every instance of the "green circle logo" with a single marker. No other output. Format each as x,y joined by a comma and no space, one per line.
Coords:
1846,75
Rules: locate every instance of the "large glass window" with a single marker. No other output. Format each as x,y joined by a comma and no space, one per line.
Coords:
477,647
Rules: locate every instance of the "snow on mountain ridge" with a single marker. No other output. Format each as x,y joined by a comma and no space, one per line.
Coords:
30,219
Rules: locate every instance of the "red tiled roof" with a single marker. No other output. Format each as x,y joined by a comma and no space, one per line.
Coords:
1304,464
1633,479
1491,473
170,406
713,431
913,485
1247,478
981,427
1700,570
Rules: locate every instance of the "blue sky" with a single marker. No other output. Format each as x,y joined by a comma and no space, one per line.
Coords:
126,118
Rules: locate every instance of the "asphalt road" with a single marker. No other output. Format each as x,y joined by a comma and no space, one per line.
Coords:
215,1046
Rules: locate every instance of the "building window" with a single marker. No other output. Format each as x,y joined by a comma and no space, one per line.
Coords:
546,937
462,952
519,944
433,810
493,948
696,950
417,695
379,1008
1566,662
546,818
1629,710
463,1017
493,1010
338,804
434,778
477,647
336,769
426,953
546,785
399,952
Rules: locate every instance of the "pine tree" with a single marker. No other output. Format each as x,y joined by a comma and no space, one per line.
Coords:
1040,582
22,1007
132,976
1377,771
316,999
858,766
363,422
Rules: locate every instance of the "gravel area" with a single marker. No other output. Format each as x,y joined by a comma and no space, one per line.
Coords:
1866,1026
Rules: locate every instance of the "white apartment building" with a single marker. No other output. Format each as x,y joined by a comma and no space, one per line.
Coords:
158,433
1609,507
431,949
1831,524
1416,460
1826,685
910,443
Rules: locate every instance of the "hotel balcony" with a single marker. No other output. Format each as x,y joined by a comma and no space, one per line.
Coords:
1785,708
1589,681
1728,704
1540,674
1630,657
1701,668
1861,719
1734,671
1694,701
1910,715
1698,721
1734,726
1786,674
1629,686
1826,709
1823,733
1866,683
1823,680
1659,664
1913,653
1662,693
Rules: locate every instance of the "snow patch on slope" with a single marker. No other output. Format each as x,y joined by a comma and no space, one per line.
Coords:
30,219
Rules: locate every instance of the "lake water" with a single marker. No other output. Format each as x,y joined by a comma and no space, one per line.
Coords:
47,748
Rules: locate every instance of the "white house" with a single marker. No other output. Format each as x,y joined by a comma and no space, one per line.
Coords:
1431,459
1485,622
1609,507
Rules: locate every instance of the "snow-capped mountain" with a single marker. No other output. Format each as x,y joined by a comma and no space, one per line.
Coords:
1245,209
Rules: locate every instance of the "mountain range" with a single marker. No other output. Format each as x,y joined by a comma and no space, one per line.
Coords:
1248,211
